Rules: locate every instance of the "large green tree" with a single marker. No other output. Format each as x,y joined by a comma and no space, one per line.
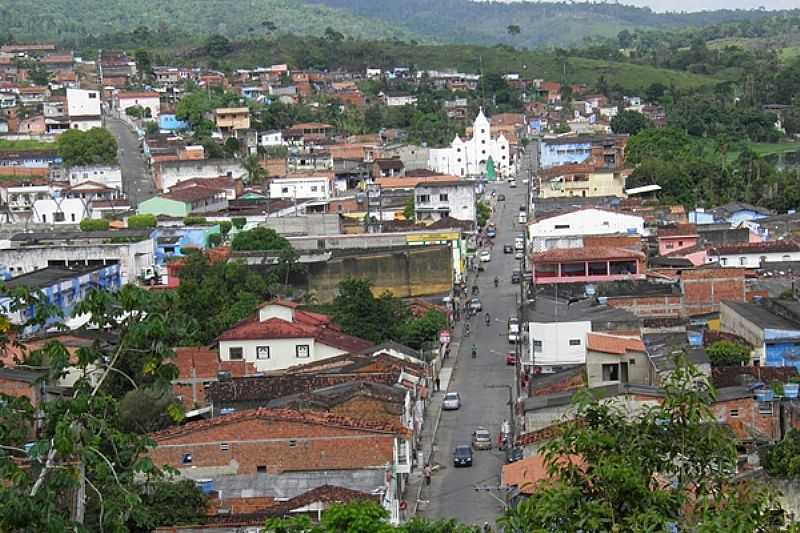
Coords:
94,147
630,122
669,466
69,465
259,239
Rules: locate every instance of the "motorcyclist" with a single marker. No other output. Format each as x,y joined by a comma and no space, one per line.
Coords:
496,281
488,319
474,351
466,329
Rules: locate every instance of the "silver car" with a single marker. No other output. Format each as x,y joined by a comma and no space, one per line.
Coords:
452,401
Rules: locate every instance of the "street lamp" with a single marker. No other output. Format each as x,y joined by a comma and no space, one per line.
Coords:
510,407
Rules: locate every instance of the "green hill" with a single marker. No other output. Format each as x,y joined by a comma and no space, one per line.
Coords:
237,19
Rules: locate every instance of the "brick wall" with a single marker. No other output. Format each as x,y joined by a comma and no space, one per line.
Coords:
704,289
20,388
631,242
748,424
279,446
644,306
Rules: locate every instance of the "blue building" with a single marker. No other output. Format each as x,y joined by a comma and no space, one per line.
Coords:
171,242
772,327
733,213
605,151
62,287
168,123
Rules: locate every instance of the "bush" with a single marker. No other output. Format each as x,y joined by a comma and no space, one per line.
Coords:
141,221
94,224
214,240
728,353
225,227
238,222
194,221
783,460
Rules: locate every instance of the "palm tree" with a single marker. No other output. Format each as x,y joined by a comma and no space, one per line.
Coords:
255,172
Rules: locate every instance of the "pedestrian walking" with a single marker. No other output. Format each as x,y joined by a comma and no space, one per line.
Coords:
427,473
438,387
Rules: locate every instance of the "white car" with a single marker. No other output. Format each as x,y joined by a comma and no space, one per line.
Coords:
452,401
485,256
518,255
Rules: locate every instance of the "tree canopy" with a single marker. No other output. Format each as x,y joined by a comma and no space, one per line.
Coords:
259,239
94,147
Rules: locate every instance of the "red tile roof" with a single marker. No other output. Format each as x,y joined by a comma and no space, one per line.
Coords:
192,194
141,94
320,418
222,182
758,247
586,254
528,473
613,344
306,325
681,230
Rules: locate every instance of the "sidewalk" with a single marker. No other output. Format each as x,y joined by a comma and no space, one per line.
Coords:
416,482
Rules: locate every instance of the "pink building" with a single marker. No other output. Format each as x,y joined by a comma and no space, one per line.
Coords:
676,238
588,264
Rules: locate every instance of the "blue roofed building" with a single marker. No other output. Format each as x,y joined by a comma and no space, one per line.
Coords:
173,241
601,151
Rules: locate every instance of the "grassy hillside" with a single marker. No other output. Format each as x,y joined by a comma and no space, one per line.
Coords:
562,23
356,55
73,19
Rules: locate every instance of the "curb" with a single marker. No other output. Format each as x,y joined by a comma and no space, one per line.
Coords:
436,427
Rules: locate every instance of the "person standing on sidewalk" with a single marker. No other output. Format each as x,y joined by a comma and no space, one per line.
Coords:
438,384
427,473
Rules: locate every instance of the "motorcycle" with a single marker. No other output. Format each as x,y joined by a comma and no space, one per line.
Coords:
474,352
466,330
496,282
488,319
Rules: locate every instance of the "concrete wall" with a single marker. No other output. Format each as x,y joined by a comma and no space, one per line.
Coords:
732,322
305,225
412,271
132,257
555,338
282,352
638,372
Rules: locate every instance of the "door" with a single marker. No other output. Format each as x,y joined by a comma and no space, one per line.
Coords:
623,372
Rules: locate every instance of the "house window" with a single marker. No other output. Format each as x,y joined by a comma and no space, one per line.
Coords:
313,188
224,446
292,443
574,342
562,226
742,260
785,258
235,353
284,190
680,243
302,351
92,96
537,346
723,261
423,198
442,197
733,413
611,372
186,459
670,246
765,408
261,469
58,217
262,352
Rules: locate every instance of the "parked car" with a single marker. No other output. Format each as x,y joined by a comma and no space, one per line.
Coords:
481,439
476,305
516,276
452,401
511,359
501,197
508,249
462,455
491,233
513,329
485,256
513,454
512,184
518,255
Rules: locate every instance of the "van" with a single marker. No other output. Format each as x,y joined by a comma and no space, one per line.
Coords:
523,218
519,244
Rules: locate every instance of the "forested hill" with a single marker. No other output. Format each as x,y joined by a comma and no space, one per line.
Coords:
540,23
454,21
68,20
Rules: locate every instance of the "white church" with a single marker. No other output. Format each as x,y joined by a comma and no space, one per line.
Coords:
471,157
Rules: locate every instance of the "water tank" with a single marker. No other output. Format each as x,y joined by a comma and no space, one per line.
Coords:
765,395
790,390
695,338
206,485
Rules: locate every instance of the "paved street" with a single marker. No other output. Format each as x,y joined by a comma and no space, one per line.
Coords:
136,181
452,493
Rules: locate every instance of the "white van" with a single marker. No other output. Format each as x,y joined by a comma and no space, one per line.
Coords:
523,218
519,244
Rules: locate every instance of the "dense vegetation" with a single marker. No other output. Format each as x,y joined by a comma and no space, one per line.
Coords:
461,21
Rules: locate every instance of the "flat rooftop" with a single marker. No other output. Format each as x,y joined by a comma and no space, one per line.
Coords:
761,316
49,276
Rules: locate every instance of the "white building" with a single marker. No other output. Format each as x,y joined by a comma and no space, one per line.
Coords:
270,138
312,186
146,100
83,109
281,335
471,157
752,255
170,173
567,230
399,100
558,343
110,176
443,199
